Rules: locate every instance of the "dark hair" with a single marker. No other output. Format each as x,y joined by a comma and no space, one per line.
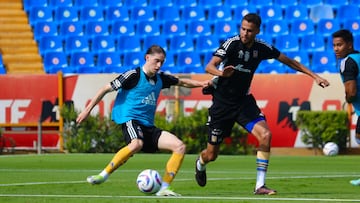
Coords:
156,49
346,35
253,18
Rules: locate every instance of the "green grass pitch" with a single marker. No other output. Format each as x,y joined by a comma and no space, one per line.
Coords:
61,178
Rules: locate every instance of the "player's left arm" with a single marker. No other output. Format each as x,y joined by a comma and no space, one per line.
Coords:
301,68
185,82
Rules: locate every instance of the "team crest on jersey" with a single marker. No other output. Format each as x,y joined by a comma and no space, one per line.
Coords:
255,53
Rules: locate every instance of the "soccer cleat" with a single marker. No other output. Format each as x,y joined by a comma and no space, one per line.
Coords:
200,176
167,192
264,191
355,182
95,179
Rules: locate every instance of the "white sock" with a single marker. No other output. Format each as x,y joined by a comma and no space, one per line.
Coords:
200,167
104,174
164,185
260,179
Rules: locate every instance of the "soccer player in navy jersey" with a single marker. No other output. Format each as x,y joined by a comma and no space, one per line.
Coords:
232,102
134,109
349,62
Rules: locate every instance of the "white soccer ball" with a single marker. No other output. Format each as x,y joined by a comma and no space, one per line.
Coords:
149,181
331,149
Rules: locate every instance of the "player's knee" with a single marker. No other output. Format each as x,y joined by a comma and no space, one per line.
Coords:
265,137
212,156
181,148
136,145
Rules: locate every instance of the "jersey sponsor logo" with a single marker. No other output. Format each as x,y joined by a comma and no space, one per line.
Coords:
150,99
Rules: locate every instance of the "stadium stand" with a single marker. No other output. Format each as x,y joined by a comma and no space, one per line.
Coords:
45,20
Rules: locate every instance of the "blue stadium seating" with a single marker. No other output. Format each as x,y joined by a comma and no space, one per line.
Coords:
91,13
287,43
111,3
161,3
146,28
140,13
349,11
185,3
158,40
225,29
181,43
55,61
207,43
135,3
123,28
109,60
241,11
129,43
88,69
170,60
76,44
326,27
188,58
353,25
322,11
312,43
302,27
260,3
310,3
199,28
82,59
296,12
270,12
117,13
219,13
174,28
40,14
66,13
277,27
286,3
193,13
50,44
84,3
94,28
28,4
168,13
57,3
133,59
42,29
233,4
323,59
300,56
103,43
71,28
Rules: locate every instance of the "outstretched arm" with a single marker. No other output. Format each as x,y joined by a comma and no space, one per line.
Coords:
185,82
95,100
300,67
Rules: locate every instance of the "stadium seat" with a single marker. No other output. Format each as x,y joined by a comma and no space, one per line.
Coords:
321,12
199,28
207,43
103,43
349,11
57,3
42,29
146,28
88,69
323,59
310,3
301,56
76,44
109,59
55,60
207,57
66,13
287,43
286,3
28,4
312,43
40,14
353,25
168,13
161,3
336,3
296,12
188,58
84,59
84,3
235,3
241,11
71,28
94,28
91,13
277,27
270,12
181,4
50,44
207,4
133,59
357,41
111,3
225,29
174,28
219,13
172,69
325,69
260,3
158,40
140,13
302,27
117,13
112,69
123,28
170,59
326,27
193,13
181,43
135,3
194,70
129,44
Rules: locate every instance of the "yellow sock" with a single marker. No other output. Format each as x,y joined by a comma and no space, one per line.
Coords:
172,167
120,158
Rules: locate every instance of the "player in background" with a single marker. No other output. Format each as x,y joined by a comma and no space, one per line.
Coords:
134,109
349,62
232,101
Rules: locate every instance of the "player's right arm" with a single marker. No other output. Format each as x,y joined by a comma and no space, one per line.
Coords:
94,101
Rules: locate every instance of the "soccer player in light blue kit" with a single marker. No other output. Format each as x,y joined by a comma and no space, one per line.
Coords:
134,109
343,45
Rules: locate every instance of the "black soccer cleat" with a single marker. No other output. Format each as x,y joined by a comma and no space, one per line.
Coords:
200,176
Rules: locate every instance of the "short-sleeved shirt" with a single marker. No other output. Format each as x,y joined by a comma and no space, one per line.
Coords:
229,91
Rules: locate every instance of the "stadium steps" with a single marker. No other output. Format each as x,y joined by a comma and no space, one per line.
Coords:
17,46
